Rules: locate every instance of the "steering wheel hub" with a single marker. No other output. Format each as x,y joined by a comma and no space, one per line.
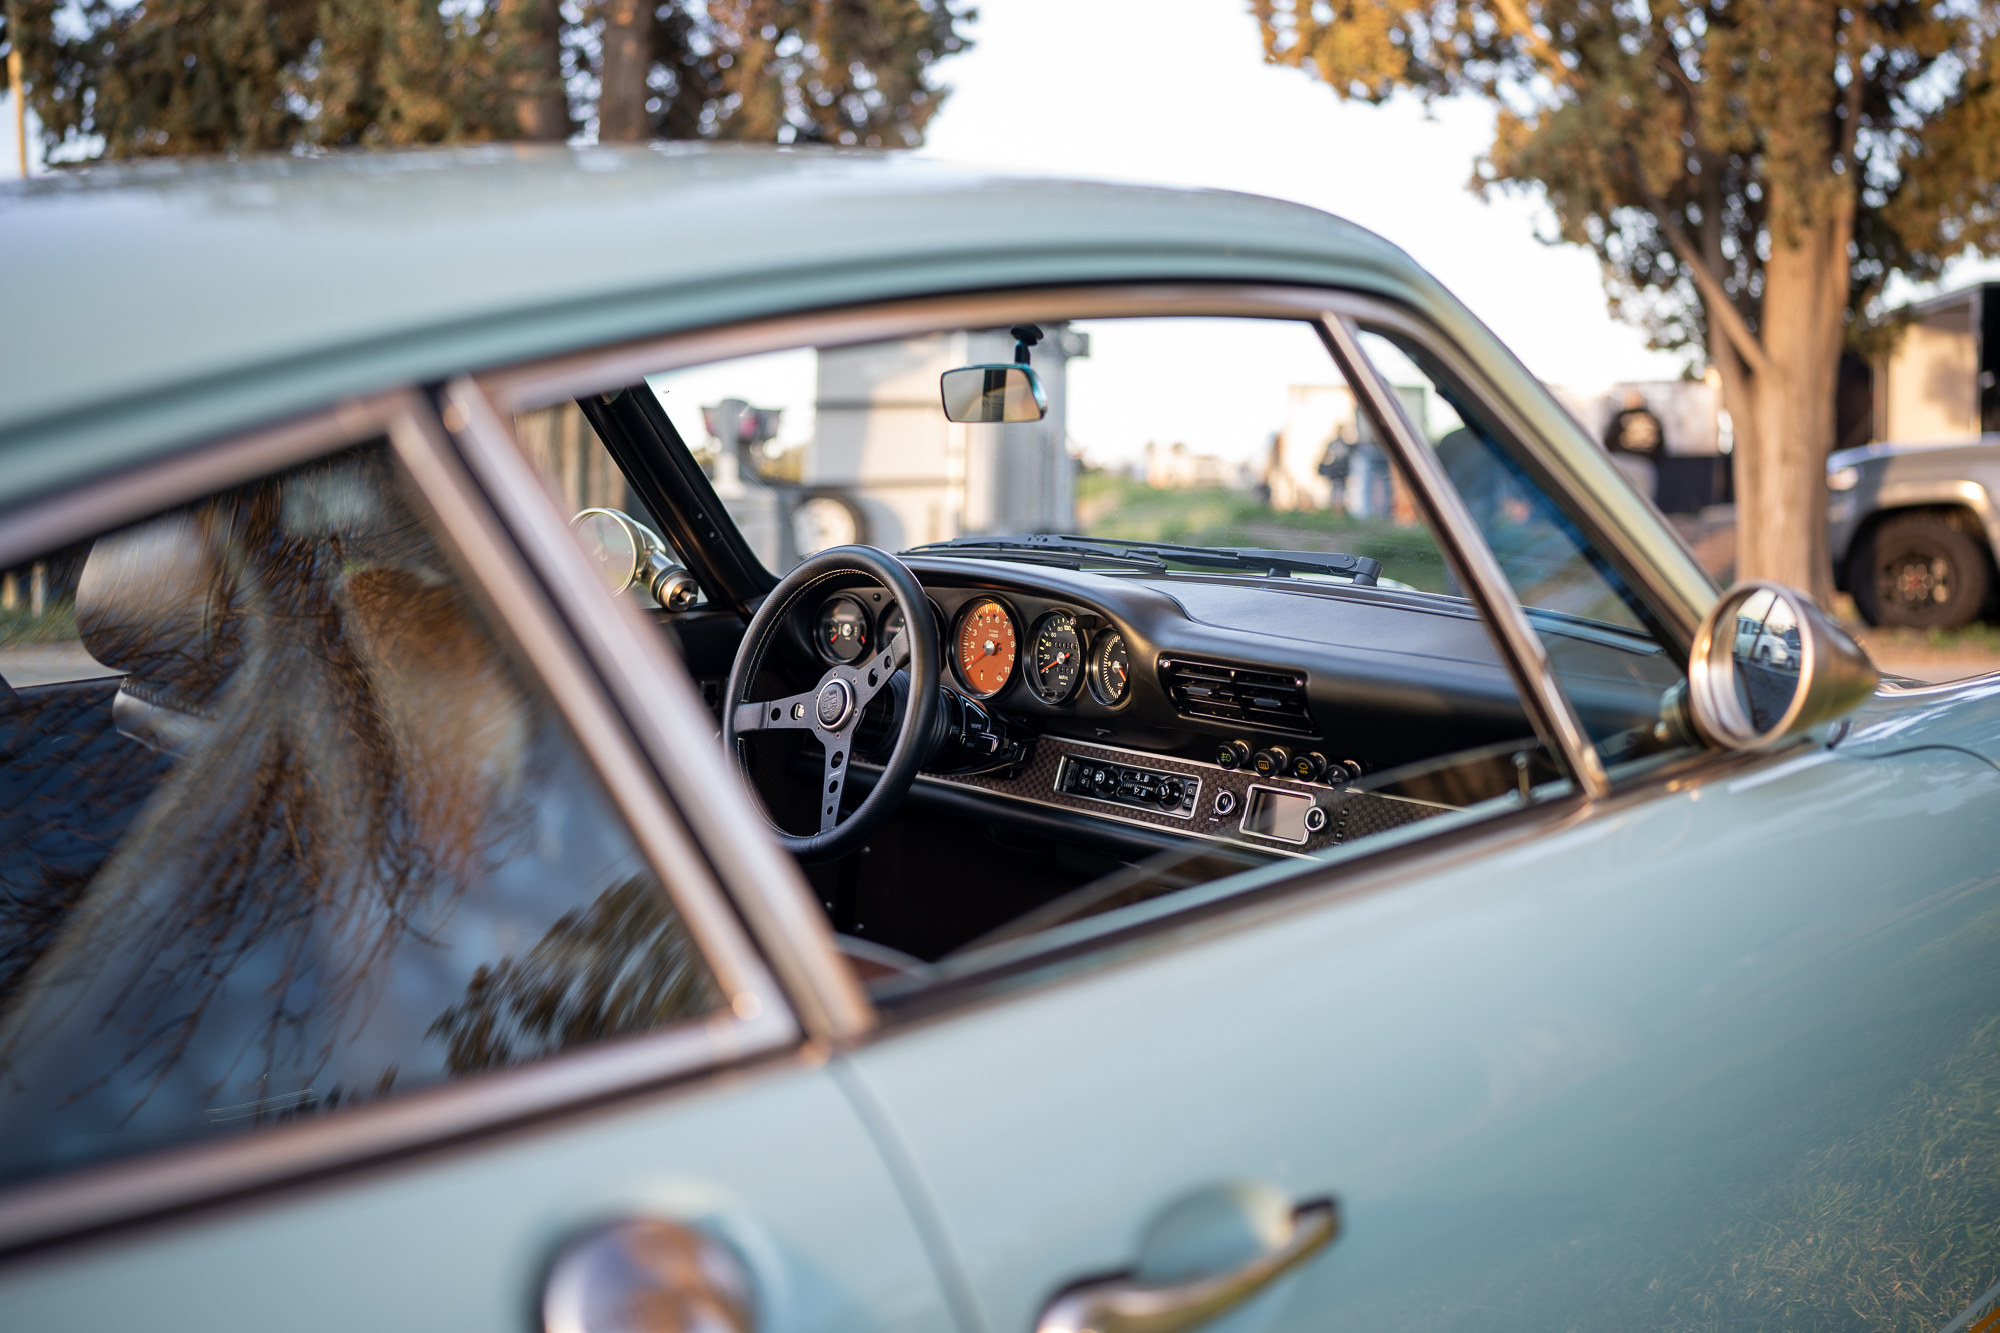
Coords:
835,699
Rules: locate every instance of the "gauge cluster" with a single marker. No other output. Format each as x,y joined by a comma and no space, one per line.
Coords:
1062,657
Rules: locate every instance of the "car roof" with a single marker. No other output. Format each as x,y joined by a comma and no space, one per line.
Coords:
159,303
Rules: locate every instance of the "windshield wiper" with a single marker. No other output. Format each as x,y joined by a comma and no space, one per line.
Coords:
1059,548
1359,568
1063,553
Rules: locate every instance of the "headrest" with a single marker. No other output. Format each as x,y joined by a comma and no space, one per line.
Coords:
156,601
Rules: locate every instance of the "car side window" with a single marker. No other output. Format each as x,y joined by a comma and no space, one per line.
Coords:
1614,664
318,842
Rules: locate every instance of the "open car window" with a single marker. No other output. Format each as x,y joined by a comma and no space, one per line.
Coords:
1602,641
1184,592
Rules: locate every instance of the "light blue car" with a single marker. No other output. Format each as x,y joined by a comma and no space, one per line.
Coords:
493,839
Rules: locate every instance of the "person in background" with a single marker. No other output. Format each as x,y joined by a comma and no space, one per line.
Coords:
1635,441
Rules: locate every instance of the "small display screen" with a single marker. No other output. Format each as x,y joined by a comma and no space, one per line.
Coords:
1276,814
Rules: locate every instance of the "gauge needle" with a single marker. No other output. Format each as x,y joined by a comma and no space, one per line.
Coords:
1120,669
989,647
1060,659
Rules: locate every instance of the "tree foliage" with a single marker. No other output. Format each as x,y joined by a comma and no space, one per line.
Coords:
1749,174
167,77
1644,123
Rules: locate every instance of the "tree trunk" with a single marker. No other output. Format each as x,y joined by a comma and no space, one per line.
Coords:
628,58
541,106
1781,464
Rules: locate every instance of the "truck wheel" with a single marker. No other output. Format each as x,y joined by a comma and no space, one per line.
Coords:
1917,570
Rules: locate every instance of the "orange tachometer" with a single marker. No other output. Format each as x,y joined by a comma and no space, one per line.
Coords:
986,644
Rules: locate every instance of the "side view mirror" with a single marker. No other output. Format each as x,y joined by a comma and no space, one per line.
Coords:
1768,664
627,552
983,394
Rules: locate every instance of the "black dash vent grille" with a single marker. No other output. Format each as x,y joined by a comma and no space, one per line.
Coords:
1264,700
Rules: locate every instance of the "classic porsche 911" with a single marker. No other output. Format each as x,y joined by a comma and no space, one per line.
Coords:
579,752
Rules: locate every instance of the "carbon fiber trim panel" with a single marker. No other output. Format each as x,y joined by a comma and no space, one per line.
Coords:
1349,814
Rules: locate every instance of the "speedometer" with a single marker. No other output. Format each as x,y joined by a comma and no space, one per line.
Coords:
985,648
1057,663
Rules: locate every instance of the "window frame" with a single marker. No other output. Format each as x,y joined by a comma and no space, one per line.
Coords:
1635,553
112,1196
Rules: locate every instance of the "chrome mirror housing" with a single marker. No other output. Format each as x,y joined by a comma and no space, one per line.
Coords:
627,552
1768,664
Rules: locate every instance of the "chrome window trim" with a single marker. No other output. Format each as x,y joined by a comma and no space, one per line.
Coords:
663,710
1636,561
1549,708
109,1196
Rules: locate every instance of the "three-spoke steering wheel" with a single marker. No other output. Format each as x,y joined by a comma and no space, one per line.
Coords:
832,710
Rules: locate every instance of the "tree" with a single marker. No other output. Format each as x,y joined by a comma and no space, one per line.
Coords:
165,77
1748,174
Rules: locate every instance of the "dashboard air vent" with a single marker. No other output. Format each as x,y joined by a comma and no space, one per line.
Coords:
1261,700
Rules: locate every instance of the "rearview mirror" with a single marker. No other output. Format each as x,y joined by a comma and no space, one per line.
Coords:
1768,664
977,395
626,551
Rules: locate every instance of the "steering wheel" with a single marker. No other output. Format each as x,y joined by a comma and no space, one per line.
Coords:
832,709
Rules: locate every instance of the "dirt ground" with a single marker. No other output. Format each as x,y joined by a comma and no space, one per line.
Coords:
1918,654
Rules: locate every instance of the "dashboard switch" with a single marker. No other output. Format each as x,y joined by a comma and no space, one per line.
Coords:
1274,762
1225,802
1232,754
1309,767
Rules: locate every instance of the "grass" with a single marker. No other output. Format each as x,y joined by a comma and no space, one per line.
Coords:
1109,505
56,624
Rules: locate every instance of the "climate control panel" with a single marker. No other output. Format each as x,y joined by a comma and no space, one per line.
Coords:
1173,794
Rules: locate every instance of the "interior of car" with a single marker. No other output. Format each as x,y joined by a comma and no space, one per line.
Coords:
1080,715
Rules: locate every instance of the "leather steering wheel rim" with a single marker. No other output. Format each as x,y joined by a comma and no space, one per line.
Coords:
832,709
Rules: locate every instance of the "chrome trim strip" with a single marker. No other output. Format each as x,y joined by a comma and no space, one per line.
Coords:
493,564
1541,694
664,713
1640,556
123,1193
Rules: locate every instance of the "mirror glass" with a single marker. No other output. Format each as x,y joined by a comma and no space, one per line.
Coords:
612,545
1768,654
997,393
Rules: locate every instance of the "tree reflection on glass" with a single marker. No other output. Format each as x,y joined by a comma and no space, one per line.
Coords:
351,816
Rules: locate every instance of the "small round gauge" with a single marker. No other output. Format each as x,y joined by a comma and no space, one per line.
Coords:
1110,669
840,631
985,648
1057,663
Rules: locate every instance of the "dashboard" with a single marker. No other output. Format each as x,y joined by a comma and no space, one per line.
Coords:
1253,711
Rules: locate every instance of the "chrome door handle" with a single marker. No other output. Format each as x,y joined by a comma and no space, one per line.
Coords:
1118,1305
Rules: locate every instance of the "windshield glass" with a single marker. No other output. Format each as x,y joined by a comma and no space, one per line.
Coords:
1223,434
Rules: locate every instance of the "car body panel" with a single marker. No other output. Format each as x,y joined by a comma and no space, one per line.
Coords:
1904,476
250,292
774,1162
1536,1080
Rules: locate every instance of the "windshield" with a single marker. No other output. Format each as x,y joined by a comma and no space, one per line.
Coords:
1165,438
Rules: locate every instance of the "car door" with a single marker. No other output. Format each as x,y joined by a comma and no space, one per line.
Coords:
1714,1045
359,971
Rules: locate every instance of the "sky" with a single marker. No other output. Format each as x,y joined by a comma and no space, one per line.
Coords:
1176,91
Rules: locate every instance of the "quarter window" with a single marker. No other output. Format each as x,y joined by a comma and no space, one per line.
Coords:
315,843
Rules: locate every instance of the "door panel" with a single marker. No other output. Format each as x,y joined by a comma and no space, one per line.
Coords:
775,1162
1728,1054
